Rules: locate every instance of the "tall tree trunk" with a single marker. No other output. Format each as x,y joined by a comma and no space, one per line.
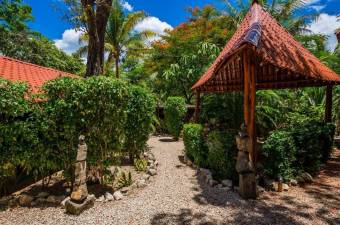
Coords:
117,65
97,13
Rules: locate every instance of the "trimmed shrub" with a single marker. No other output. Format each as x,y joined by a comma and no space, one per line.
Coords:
140,118
174,112
222,155
279,153
194,143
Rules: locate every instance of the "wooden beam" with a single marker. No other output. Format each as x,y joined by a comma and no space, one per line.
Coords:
198,105
328,108
249,102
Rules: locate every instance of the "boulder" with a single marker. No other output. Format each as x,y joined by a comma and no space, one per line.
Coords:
293,182
260,189
146,177
227,183
41,200
152,172
25,200
53,199
151,156
118,195
212,182
219,186
285,187
156,163
108,197
141,183
77,208
62,204
307,177
4,200
42,195
100,199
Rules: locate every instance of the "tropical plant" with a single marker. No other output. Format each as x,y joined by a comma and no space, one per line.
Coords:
174,113
140,165
125,180
289,13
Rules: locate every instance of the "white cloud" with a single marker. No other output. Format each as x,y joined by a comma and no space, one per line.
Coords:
127,6
318,8
311,2
70,41
154,24
326,24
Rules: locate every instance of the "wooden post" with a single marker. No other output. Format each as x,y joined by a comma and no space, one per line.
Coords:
249,100
198,105
328,108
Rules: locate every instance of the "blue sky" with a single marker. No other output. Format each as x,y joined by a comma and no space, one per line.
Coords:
163,14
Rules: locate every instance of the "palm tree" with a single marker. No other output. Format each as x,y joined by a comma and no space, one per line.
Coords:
287,12
121,39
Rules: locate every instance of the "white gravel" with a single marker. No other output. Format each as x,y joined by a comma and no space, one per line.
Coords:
177,196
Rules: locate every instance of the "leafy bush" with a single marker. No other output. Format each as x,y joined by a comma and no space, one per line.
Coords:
222,155
313,141
140,117
298,148
194,143
140,165
174,112
279,151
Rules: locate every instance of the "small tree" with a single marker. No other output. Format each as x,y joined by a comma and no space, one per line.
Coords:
174,111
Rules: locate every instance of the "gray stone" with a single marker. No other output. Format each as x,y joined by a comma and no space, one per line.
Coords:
307,177
152,172
146,177
141,183
77,208
293,182
62,204
227,183
109,197
189,163
151,156
156,163
41,200
150,162
212,182
118,195
25,200
260,189
100,199
285,187
134,186
4,200
42,195
219,186
300,179
52,199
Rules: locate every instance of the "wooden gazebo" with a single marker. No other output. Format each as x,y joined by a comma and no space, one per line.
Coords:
263,55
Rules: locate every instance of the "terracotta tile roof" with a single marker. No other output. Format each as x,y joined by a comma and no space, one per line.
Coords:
275,46
34,75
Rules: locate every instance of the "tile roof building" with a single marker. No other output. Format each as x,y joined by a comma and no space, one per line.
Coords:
35,75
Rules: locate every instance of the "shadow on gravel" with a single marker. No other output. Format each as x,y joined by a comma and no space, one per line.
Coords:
185,217
167,139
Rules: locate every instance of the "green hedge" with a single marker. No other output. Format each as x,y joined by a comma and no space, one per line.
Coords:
301,147
42,137
174,113
222,155
217,152
140,118
194,144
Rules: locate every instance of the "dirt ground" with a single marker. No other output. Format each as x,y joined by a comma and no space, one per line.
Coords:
177,195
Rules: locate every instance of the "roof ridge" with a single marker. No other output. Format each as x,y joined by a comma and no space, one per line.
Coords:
32,64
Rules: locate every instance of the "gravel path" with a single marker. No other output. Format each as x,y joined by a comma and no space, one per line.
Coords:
177,196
